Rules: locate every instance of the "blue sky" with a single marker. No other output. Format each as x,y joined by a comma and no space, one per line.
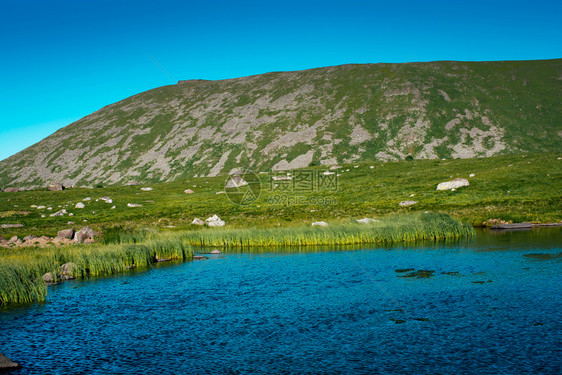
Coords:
61,60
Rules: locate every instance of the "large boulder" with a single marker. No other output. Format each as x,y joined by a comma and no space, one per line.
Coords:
215,221
66,233
7,364
453,184
68,270
55,186
80,205
11,190
85,234
407,203
197,221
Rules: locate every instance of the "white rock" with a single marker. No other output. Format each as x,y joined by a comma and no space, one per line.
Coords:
471,175
319,224
40,207
327,173
355,166
58,213
33,206
86,199
146,189
71,214
347,170
407,203
335,167
372,167
197,221
80,205
215,221
235,182
43,215
411,195
50,208
113,207
453,184
188,191
134,205
367,220
453,189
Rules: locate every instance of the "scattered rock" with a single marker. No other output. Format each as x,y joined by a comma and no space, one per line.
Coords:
319,224
398,321
335,167
68,271
58,213
197,221
453,184
328,173
199,257
216,251
215,221
404,270
419,274
55,186
7,363
146,189
86,199
367,220
80,205
11,190
134,205
29,238
41,207
188,191
113,207
48,278
85,234
132,183
281,178
2,239
66,233
235,182
70,223
407,203
106,199
6,226
471,175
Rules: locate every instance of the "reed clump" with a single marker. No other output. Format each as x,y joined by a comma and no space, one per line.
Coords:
398,228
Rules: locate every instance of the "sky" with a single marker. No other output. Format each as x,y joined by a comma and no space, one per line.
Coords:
62,60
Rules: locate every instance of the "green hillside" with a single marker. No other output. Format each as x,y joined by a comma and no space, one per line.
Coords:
286,120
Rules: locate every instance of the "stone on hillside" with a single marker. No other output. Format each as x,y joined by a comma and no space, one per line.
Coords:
11,190
58,213
66,233
2,239
106,199
367,220
29,238
471,175
319,224
188,191
7,364
6,226
407,203
216,251
85,234
132,183
33,206
80,205
134,205
146,189
453,184
235,182
41,207
48,278
215,221
86,199
113,207
328,173
68,270
55,186
197,221
14,239
335,167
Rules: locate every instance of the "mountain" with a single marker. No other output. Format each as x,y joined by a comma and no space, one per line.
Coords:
320,116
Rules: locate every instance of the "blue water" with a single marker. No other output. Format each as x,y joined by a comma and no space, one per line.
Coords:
324,312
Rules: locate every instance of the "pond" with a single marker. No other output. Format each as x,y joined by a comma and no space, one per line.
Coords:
490,305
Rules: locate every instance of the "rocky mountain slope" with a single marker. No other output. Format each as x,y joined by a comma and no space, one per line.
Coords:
286,120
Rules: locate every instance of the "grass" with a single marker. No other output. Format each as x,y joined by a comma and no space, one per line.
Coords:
397,228
21,270
509,188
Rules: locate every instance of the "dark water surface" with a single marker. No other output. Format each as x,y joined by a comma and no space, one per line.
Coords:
317,312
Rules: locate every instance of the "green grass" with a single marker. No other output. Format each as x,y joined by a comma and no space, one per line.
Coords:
397,228
510,188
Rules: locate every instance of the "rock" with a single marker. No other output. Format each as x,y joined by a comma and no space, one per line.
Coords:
235,182
6,226
319,224
41,207
106,199
48,278
146,189
45,238
13,239
86,199
66,233
367,220
215,221
132,183
85,234
29,238
188,191
407,203
513,226
7,363
68,270
216,251
113,207
328,173
11,190
471,175
134,205
281,178
453,184
55,186
197,221
80,205
58,213
70,223
2,239
335,167
199,257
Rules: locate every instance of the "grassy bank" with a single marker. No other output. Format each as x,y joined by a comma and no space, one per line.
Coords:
21,269
510,188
